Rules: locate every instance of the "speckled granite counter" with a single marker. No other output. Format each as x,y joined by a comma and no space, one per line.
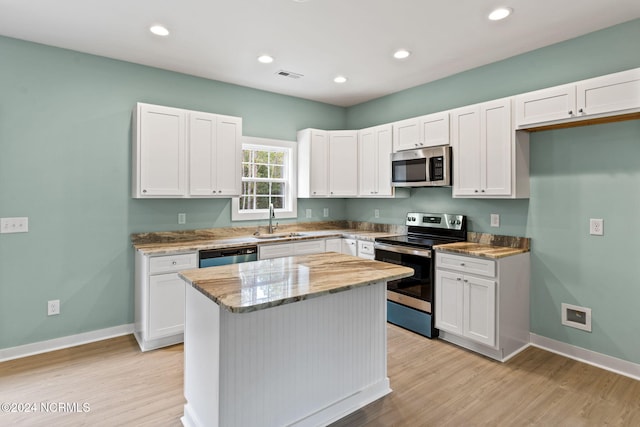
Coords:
488,245
258,285
166,242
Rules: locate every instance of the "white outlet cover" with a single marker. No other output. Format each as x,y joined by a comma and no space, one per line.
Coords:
53,307
182,218
14,225
376,213
309,213
326,212
495,220
596,227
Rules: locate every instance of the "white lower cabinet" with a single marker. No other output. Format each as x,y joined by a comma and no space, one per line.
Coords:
366,250
333,245
483,304
159,298
279,250
350,247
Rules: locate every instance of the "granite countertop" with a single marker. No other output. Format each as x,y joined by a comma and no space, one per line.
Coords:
219,238
488,246
257,285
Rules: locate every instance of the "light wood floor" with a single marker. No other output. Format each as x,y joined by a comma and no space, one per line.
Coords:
434,383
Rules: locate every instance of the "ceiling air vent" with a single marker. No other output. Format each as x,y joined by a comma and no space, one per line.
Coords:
289,74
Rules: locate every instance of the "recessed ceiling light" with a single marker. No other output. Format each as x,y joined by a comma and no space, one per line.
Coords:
340,79
401,54
265,59
159,30
500,13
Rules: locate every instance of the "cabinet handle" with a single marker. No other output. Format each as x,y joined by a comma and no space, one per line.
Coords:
174,263
570,112
458,278
483,191
144,191
462,264
475,191
466,281
219,191
581,111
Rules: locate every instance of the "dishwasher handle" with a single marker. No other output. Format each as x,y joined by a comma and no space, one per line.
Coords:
219,253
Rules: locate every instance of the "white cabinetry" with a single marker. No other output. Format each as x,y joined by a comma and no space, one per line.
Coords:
490,159
420,132
350,247
374,161
327,163
159,298
279,250
613,94
215,150
159,151
333,245
366,249
483,304
179,153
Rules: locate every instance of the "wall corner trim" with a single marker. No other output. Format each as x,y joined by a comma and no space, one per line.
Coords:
64,342
599,360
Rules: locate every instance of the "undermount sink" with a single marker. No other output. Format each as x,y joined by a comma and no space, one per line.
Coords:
277,235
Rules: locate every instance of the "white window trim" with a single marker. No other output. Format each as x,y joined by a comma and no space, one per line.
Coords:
292,211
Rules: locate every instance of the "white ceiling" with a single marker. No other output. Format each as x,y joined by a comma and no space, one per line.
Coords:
319,39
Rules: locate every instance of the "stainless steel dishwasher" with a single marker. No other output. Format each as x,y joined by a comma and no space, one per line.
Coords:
215,257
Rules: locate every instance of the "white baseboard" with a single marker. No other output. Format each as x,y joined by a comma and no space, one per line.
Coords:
613,364
64,342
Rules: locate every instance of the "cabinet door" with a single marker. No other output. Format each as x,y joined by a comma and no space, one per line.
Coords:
495,156
615,92
465,142
545,105
166,305
228,156
343,163
434,130
480,310
309,247
349,247
367,162
333,245
162,151
202,154
275,251
384,135
366,249
449,305
319,163
406,134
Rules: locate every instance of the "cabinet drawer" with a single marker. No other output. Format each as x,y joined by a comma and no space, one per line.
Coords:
365,249
172,263
465,264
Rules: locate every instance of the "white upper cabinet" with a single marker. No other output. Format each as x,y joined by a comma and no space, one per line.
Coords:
424,131
606,94
215,149
159,152
374,161
609,95
490,159
545,105
327,163
181,153
343,163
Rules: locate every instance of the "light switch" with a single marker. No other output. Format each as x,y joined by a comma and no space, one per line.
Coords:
14,225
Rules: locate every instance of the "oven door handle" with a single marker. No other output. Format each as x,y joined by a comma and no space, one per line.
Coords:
403,250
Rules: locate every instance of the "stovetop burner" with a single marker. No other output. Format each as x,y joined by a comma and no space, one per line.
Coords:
427,230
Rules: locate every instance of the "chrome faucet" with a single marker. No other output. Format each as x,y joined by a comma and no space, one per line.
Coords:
272,214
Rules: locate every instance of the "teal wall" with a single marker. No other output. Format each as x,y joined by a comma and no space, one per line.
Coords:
65,163
576,174
65,124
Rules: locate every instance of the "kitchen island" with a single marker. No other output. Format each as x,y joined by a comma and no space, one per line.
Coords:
296,341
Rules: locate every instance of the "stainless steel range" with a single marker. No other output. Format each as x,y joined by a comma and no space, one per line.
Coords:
410,301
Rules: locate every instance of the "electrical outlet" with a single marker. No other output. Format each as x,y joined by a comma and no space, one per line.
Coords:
596,227
376,213
309,213
495,220
182,218
53,307
325,212
14,225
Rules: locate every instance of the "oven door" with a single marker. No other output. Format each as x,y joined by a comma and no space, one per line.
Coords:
415,291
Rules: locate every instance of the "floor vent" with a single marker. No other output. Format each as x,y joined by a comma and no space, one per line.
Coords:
289,74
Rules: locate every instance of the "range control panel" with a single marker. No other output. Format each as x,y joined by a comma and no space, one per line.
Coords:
431,220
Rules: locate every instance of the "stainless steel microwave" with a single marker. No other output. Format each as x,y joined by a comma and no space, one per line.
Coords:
424,167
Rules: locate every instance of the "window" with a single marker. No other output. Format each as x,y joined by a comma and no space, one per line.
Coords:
268,176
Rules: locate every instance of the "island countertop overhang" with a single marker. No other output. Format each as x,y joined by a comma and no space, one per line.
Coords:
251,286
